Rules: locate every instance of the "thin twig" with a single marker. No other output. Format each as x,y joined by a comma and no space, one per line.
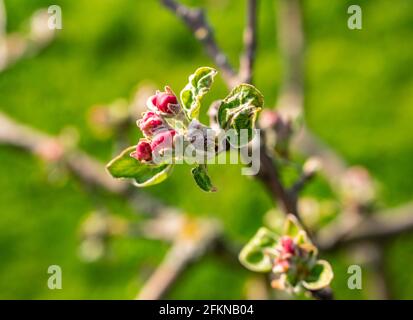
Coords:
197,23
250,42
332,165
268,175
310,169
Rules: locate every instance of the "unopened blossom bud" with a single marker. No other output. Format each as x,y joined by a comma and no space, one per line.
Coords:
143,151
165,102
287,244
151,123
163,140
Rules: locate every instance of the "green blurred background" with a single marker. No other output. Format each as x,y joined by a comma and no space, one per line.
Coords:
359,99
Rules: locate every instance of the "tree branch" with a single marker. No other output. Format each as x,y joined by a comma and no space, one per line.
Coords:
17,46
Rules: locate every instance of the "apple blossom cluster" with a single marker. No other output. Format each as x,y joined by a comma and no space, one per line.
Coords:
159,135
290,257
173,133
292,262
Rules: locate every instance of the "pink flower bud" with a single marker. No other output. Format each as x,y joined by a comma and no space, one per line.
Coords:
150,123
143,151
163,140
165,102
287,244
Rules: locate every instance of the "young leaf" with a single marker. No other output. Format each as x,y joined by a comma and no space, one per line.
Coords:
253,255
202,179
198,85
320,276
292,226
240,108
124,166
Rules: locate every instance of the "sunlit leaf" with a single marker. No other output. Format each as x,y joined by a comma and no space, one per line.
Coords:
320,276
253,255
144,175
199,84
239,110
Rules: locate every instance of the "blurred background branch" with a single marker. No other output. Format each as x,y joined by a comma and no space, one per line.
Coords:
250,42
16,46
378,227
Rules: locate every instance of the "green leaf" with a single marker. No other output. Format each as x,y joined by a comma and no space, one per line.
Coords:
125,166
202,179
240,108
320,276
253,255
291,226
198,85
148,180
301,237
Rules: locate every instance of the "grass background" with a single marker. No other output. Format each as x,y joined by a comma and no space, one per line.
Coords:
359,99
